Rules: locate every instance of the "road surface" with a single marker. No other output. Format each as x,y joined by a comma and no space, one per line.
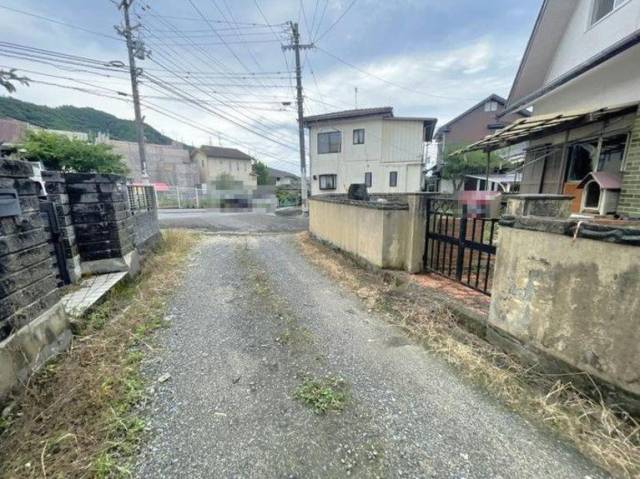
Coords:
211,220
252,320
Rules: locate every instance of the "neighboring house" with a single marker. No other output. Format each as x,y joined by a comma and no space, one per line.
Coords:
215,162
282,178
168,164
370,146
482,119
581,76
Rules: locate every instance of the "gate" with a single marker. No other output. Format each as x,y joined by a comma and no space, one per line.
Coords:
459,246
52,226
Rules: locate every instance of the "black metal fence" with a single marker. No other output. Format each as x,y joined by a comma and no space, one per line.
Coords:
459,246
141,197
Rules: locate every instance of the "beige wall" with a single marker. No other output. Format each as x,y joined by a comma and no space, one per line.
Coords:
386,238
576,300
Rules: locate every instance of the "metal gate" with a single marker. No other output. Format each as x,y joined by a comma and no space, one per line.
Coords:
459,246
52,226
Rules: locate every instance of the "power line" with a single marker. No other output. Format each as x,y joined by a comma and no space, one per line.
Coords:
337,21
60,22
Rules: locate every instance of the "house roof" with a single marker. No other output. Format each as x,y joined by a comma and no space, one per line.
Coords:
606,181
384,111
550,26
542,125
286,174
220,152
492,97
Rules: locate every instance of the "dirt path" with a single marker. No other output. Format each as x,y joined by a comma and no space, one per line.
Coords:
252,320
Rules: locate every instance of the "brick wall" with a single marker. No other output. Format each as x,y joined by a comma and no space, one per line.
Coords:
629,203
28,283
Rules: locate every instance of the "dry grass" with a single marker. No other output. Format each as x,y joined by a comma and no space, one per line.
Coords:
76,418
609,436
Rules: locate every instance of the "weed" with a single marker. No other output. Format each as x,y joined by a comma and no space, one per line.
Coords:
77,417
323,395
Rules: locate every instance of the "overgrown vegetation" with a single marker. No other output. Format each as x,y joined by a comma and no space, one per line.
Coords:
323,394
58,152
607,435
87,120
458,165
262,172
76,418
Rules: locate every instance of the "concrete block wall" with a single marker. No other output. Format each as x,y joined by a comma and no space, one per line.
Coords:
56,189
102,221
629,202
28,283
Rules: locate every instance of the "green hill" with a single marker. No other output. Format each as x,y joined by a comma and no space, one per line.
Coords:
71,118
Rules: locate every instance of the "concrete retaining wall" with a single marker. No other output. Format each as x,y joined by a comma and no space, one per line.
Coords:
577,300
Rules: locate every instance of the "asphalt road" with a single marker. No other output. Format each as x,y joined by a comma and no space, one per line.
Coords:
252,319
210,220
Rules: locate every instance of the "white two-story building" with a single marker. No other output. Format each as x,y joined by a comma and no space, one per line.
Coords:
370,146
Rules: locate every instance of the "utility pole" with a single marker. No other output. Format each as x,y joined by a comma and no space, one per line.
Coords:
135,49
296,47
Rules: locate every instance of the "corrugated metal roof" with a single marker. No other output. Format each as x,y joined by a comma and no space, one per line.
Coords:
529,128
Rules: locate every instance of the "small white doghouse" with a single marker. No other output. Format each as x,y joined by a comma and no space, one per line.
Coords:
601,193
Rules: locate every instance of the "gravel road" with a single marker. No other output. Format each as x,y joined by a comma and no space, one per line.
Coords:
252,319
245,222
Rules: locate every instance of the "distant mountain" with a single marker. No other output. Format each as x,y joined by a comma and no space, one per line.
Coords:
86,120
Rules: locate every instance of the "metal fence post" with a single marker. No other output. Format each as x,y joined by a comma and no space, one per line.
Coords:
178,193
461,242
197,198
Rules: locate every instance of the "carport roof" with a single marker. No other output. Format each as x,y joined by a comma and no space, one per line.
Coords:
526,129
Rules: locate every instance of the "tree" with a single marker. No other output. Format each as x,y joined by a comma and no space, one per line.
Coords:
224,181
57,152
8,77
262,172
458,165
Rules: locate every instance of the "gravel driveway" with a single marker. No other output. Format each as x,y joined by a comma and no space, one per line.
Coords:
252,319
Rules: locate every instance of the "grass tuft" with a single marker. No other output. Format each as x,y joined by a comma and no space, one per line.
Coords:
323,395
77,417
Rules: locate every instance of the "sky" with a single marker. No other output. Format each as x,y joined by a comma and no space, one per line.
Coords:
217,74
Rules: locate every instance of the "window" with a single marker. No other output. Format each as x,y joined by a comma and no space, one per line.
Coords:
327,182
393,178
358,136
491,106
581,159
612,153
368,179
602,8
330,142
